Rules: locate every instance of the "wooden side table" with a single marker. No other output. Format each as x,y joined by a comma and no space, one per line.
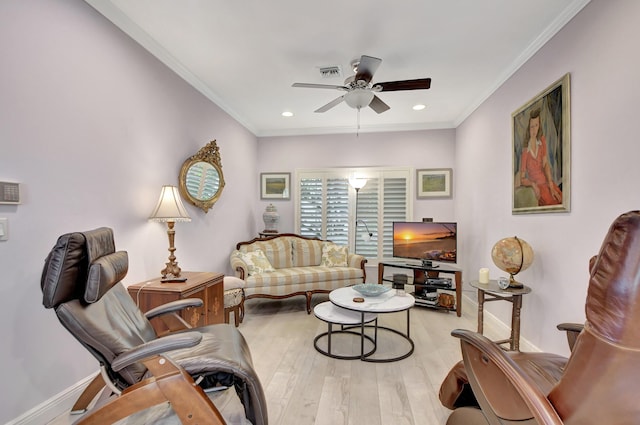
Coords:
204,285
491,292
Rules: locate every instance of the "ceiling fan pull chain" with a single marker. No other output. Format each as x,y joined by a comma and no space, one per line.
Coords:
358,130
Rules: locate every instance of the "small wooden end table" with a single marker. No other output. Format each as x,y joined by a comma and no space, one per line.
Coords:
204,285
491,292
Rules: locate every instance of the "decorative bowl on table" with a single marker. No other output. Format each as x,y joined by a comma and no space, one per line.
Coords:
370,289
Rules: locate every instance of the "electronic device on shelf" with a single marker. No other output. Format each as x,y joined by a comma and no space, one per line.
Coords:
426,298
421,301
425,241
440,282
425,295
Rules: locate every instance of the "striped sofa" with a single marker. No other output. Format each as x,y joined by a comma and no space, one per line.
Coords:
296,266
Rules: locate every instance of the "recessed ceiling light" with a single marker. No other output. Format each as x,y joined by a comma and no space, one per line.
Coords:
287,114
419,107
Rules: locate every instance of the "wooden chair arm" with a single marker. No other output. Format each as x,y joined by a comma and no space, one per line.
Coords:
572,330
238,265
358,261
169,383
240,273
502,389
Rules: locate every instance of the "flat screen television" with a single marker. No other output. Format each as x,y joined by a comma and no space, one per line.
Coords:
425,241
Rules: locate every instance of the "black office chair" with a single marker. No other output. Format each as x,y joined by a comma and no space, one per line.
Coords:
180,373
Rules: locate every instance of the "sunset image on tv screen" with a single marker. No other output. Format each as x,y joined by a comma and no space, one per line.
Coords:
429,241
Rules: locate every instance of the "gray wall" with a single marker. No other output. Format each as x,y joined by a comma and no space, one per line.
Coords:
598,48
92,126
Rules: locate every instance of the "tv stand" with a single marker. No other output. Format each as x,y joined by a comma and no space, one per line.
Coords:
420,276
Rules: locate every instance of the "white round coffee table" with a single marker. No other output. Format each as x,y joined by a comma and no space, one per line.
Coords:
388,302
347,319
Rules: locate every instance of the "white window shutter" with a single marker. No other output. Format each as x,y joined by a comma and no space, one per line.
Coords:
326,203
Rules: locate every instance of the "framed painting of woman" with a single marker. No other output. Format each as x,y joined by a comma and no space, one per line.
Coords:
542,152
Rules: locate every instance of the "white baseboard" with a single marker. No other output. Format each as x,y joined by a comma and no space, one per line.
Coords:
50,409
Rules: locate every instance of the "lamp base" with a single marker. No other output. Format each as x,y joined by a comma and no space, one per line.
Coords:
173,279
171,271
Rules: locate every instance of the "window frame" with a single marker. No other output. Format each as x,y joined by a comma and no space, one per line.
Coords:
380,173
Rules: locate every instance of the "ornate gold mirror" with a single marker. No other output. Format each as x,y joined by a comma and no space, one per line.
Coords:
201,179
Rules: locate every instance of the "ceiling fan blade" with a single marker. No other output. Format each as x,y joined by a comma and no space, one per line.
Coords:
419,84
330,105
378,105
367,67
318,86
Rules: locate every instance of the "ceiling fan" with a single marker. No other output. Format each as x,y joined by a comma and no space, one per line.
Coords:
361,92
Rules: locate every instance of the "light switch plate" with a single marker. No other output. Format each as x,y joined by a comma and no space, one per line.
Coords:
4,229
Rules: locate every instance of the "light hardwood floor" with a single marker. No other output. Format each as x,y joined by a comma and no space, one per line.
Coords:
303,386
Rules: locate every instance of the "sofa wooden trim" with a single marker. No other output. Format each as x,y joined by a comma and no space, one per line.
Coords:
308,294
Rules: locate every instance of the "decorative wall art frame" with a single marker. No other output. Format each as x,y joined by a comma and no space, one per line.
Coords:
434,183
541,151
275,186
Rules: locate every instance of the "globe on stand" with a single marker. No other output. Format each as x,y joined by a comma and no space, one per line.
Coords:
512,255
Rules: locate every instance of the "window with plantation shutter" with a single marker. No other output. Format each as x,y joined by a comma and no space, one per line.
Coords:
368,217
326,207
394,209
337,210
310,216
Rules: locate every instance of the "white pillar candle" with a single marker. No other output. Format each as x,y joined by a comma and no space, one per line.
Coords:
483,275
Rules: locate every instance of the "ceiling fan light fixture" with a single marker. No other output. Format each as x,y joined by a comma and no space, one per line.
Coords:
359,98
360,90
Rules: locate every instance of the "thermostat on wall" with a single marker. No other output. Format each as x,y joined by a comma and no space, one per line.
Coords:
9,193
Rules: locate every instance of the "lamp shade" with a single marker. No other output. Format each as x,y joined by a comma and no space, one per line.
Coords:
169,207
357,182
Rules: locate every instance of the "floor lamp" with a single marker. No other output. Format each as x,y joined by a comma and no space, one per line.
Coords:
367,236
357,183
169,210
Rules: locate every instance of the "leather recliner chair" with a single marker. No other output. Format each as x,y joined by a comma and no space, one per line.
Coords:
600,381
178,375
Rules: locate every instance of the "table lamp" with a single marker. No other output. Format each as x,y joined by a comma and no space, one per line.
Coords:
170,209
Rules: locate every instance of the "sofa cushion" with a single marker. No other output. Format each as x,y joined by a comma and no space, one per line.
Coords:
306,252
334,255
277,250
257,262
315,276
